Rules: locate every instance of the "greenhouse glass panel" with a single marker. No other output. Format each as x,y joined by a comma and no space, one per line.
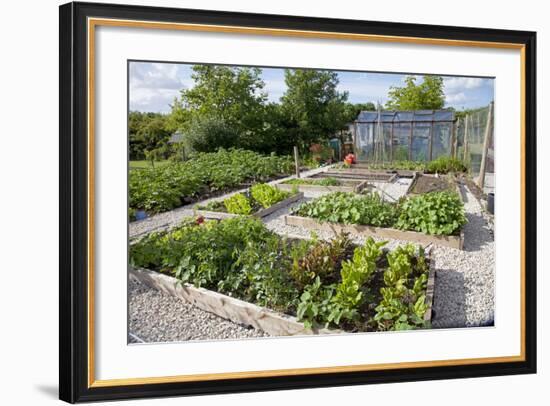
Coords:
420,142
364,141
442,139
401,138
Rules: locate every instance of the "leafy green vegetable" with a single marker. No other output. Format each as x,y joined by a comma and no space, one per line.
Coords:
349,208
356,273
445,164
403,301
438,213
318,259
163,188
238,204
322,283
315,182
267,195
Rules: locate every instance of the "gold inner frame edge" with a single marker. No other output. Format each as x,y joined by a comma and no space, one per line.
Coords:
93,22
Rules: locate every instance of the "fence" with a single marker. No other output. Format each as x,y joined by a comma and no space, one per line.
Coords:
424,135
476,145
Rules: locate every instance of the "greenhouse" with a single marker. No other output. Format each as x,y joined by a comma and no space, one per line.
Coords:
421,135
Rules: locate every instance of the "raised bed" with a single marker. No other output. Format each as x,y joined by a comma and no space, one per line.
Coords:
373,176
227,307
260,213
452,241
245,313
351,185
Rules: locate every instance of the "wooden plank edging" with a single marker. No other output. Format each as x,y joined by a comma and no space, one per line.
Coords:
430,291
227,307
319,188
452,241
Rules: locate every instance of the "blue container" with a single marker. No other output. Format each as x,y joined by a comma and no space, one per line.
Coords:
141,214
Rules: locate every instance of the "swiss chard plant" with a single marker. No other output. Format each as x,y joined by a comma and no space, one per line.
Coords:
403,299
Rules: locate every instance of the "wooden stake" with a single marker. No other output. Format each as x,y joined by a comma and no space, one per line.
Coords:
455,137
296,161
487,137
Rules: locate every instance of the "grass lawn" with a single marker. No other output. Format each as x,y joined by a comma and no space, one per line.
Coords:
146,164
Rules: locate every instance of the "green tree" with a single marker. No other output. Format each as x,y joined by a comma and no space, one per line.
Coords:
353,109
207,134
427,95
148,132
313,107
234,95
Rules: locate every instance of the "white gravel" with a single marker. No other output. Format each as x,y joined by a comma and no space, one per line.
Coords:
465,280
158,317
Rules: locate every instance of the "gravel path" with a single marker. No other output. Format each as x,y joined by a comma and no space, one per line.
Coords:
465,280
158,317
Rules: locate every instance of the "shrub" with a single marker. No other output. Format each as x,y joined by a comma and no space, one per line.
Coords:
438,213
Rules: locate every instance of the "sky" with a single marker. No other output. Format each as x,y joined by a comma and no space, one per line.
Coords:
153,86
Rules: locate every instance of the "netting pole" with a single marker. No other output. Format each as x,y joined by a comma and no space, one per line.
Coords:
391,142
455,137
466,135
487,136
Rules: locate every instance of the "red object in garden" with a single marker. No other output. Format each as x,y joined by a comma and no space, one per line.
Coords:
349,159
199,220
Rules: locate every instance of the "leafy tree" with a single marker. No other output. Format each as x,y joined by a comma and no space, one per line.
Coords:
147,132
207,134
234,95
179,117
427,95
313,107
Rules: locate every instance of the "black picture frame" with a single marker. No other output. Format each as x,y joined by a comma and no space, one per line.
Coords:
74,200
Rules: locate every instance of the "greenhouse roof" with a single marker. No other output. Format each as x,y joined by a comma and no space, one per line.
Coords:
394,116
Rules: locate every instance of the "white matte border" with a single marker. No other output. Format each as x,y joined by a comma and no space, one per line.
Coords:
115,359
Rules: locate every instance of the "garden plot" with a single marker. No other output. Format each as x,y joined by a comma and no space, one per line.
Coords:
174,217
280,285
463,297
258,201
323,184
431,183
162,189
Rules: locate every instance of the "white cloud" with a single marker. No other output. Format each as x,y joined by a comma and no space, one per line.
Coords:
455,98
463,83
153,86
